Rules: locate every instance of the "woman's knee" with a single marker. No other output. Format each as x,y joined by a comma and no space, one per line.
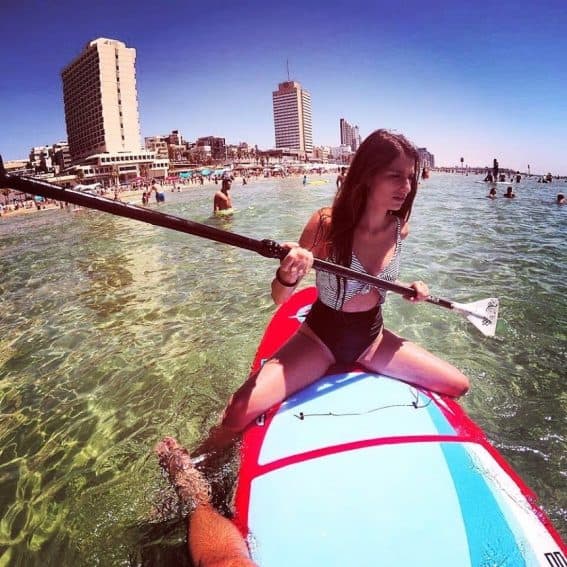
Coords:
458,385
243,407
235,417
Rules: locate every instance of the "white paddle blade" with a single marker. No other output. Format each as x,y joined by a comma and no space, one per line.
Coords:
482,314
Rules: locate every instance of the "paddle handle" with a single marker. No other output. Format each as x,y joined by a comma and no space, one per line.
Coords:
157,218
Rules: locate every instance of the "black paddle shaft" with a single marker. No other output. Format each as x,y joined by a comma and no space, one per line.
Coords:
267,248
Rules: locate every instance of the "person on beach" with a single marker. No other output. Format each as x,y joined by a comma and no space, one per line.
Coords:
364,229
341,178
492,193
222,200
510,193
213,540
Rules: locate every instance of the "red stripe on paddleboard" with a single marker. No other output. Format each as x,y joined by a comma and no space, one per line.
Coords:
528,493
467,428
252,442
352,446
281,327
252,445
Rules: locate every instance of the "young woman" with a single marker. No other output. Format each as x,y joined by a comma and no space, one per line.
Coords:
364,229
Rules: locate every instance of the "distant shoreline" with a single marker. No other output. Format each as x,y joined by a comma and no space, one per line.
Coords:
133,196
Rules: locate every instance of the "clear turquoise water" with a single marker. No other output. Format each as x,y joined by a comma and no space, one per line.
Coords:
114,333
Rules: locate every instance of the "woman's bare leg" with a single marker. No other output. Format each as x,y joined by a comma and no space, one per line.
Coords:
301,361
396,357
213,539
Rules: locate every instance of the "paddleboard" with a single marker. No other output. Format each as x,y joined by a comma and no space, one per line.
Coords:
359,469
317,182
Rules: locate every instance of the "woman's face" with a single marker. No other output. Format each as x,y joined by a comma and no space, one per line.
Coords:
390,187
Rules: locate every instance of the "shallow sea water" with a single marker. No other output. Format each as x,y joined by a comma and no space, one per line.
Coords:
114,333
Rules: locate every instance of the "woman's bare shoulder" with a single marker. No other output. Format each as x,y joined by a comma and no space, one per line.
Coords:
315,232
320,219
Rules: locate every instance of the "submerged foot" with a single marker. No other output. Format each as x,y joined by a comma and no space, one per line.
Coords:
190,485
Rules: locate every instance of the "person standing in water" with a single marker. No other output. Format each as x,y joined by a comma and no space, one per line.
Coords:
495,169
509,193
364,229
341,178
160,195
222,200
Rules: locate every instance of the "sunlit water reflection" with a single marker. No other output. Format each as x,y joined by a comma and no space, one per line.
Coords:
114,333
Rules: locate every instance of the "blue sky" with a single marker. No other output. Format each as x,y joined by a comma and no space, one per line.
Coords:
463,78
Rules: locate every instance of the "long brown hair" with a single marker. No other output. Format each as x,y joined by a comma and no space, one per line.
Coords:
373,156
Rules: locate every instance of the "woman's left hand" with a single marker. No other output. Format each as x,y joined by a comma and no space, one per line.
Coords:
421,291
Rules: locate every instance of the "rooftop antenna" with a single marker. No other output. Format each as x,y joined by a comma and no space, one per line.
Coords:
287,65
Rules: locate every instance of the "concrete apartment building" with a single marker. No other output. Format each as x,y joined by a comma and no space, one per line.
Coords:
349,135
54,157
101,103
158,145
426,158
292,117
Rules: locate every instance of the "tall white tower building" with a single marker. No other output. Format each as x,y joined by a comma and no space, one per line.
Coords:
292,117
101,102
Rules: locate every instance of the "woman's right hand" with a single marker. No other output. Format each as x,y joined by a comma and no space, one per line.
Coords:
296,264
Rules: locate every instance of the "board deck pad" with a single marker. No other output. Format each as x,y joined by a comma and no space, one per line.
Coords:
360,469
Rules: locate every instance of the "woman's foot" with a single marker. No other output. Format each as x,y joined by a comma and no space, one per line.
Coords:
190,485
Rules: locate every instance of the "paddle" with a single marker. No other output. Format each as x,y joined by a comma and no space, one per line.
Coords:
482,314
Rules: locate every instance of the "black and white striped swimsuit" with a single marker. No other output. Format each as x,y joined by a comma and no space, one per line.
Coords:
349,334
327,283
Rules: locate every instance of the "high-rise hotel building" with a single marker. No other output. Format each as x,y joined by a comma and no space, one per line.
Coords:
101,103
292,117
